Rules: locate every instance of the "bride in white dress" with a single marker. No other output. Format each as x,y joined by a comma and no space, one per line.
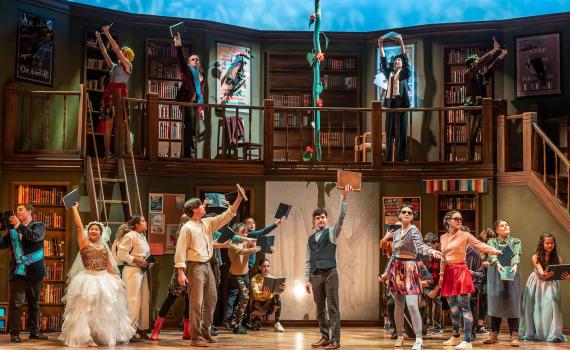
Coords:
96,301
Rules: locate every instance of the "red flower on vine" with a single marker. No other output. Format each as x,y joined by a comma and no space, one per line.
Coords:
319,102
309,149
313,16
320,57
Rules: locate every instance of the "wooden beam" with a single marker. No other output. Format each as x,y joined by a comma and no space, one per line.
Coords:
377,135
528,119
269,111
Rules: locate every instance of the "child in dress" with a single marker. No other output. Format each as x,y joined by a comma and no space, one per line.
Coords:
96,302
541,311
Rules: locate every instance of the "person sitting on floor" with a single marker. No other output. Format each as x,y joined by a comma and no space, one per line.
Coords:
264,302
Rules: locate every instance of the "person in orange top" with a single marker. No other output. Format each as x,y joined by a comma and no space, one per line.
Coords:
455,279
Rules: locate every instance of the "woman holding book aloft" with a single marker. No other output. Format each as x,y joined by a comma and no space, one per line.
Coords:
96,302
504,295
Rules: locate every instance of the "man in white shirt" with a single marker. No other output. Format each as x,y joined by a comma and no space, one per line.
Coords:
193,252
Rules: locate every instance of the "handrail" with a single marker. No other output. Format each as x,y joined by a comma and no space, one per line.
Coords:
554,148
48,92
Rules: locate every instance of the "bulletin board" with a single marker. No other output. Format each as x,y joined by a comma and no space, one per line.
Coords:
164,212
391,207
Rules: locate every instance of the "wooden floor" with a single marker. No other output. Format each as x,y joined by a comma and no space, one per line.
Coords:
292,339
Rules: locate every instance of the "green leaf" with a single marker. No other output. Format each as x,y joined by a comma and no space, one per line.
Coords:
311,21
319,88
326,40
311,58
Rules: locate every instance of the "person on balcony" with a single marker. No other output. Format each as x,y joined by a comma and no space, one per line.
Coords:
119,76
397,74
478,70
192,91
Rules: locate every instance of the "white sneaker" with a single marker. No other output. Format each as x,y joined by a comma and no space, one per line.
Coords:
399,342
464,345
418,346
452,341
278,327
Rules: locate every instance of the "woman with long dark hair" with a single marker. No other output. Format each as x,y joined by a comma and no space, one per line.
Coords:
455,278
541,310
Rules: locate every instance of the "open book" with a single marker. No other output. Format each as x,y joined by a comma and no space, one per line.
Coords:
273,283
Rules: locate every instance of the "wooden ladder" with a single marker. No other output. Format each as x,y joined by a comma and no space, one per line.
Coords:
100,187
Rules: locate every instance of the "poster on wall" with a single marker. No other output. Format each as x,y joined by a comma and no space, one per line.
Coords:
165,212
538,65
391,209
390,52
234,82
34,54
157,224
171,238
155,202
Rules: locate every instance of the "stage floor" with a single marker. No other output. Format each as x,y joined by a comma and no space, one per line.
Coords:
291,339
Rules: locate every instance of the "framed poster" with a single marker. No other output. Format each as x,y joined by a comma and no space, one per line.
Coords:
538,65
234,82
35,49
157,223
155,202
165,211
391,208
380,79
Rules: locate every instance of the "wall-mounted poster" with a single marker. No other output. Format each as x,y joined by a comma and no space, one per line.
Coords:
34,54
165,212
538,65
171,237
380,79
155,202
234,83
157,223
391,208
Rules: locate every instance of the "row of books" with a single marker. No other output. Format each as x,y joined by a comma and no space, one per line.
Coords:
339,81
337,138
455,94
164,89
282,119
170,130
457,76
460,157
164,49
457,56
52,322
41,195
96,64
55,271
339,63
298,100
53,247
456,116
96,84
169,149
536,85
52,294
458,203
51,219
163,70
458,133
169,112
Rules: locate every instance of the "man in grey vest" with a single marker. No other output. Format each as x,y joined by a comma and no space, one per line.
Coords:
320,273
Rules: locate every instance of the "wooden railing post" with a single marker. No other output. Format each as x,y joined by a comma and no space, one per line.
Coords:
9,118
152,113
268,113
119,125
528,119
377,155
81,113
501,144
486,130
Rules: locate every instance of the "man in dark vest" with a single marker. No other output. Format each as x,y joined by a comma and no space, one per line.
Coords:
321,277
27,270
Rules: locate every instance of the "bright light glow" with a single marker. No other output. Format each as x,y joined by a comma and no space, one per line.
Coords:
299,289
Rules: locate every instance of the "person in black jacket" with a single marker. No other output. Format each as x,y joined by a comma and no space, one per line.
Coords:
26,276
192,90
397,74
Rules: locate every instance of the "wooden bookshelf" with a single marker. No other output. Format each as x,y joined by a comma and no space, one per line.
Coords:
170,131
289,83
466,202
162,72
49,209
454,123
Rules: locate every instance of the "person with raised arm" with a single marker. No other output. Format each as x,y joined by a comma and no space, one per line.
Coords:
119,74
95,299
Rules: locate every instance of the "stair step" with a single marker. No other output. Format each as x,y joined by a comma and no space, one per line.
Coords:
109,180
115,201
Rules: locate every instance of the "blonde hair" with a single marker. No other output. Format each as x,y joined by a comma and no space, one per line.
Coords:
129,52
122,231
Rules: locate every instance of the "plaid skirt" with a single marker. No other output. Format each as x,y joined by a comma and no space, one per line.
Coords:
404,277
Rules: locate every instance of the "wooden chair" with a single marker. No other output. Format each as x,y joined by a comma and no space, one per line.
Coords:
363,145
225,149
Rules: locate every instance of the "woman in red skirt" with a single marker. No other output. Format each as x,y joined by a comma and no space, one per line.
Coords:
455,278
119,76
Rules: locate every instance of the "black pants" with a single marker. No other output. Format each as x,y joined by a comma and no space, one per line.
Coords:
402,138
496,324
325,294
170,299
189,132
22,290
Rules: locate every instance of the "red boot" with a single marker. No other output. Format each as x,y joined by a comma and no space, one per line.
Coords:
186,330
157,327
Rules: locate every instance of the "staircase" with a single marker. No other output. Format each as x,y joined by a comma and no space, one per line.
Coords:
102,184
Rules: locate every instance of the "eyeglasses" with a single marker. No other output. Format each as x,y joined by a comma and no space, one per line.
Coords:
457,219
195,59
407,212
